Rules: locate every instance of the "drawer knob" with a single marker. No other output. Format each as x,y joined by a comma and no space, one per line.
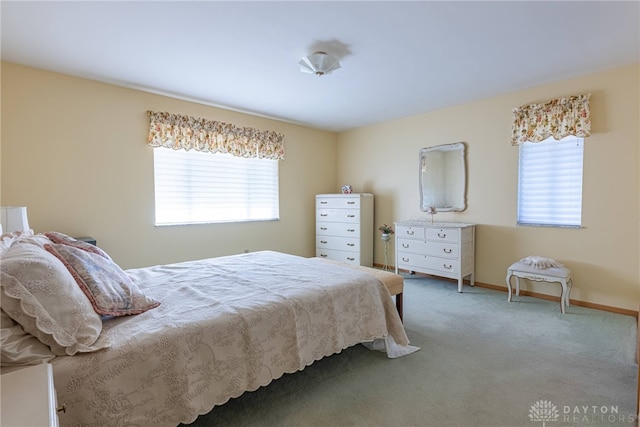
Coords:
323,228
323,215
448,267
442,236
351,244
405,259
351,216
351,259
324,242
351,203
351,230
447,251
405,245
323,202
323,255
410,232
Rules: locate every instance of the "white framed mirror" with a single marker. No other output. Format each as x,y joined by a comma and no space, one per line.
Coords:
443,178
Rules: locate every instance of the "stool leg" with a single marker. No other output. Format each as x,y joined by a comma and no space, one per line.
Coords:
517,286
569,286
564,294
509,285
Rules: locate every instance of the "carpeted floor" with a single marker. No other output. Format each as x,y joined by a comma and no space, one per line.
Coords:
483,362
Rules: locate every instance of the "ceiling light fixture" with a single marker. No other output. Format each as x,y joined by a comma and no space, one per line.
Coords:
319,63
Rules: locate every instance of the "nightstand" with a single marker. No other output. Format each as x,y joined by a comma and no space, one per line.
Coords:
87,239
28,398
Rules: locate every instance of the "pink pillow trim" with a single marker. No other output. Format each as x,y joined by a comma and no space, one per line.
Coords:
63,239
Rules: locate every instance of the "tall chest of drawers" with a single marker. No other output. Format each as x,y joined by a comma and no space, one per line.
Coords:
344,228
439,249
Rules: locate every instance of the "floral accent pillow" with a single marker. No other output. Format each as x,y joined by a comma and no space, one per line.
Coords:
110,290
41,295
63,239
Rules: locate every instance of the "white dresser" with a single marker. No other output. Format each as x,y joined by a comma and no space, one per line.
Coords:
440,249
344,228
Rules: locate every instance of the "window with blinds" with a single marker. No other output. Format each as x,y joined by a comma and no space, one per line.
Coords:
194,187
550,182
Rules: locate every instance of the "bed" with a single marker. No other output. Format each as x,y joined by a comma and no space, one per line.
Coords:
201,332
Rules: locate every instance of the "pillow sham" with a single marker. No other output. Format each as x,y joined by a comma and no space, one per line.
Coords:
7,239
63,239
40,294
110,290
18,347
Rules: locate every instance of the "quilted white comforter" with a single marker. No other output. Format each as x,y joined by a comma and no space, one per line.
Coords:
225,326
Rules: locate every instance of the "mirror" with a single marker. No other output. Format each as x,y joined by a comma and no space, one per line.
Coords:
443,178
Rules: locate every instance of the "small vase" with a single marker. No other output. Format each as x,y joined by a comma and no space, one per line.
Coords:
385,237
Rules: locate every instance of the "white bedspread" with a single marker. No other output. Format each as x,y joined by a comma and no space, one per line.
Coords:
225,326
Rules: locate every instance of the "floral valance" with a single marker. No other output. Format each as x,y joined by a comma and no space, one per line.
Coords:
193,133
558,118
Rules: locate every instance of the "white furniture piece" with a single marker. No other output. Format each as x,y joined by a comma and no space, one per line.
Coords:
344,228
561,275
444,249
28,397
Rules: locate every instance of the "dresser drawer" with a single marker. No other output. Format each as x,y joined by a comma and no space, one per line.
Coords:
416,262
439,249
443,234
336,242
338,215
342,256
338,202
343,229
404,232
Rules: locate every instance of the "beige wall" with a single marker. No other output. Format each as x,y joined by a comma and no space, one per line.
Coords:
74,152
604,255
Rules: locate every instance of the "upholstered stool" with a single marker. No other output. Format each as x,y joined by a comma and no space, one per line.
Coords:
552,274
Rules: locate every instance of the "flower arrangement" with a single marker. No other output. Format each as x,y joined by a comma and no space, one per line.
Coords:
386,229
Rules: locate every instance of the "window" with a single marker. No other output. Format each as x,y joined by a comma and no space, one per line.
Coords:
550,182
194,187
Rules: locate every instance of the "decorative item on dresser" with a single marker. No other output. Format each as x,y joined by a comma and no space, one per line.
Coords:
344,227
443,249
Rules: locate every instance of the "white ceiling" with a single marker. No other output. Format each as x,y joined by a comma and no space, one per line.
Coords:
398,58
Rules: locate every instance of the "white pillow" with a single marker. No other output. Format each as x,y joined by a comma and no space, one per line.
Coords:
18,347
7,239
39,293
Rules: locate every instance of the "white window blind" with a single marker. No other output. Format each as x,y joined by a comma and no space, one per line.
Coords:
550,182
197,187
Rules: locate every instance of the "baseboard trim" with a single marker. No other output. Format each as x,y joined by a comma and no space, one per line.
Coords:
617,310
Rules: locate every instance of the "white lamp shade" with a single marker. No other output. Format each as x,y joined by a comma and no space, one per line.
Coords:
14,218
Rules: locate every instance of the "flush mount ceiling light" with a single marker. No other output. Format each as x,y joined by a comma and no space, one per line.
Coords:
319,63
